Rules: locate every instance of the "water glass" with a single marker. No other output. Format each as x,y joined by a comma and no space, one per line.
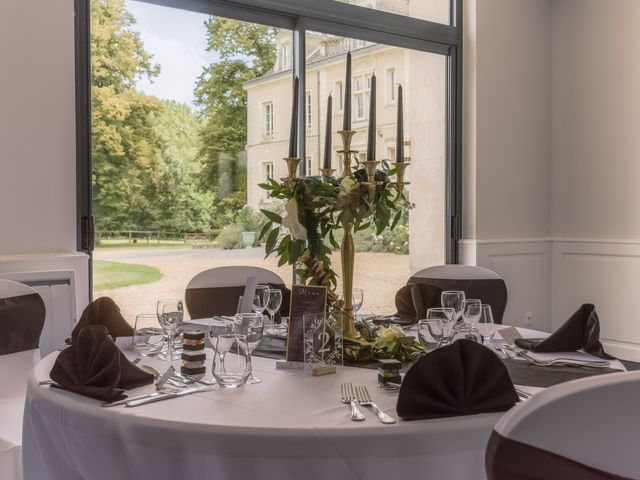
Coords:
251,326
430,334
143,342
256,301
170,319
218,327
231,369
445,315
261,299
177,338
453,299
471,310
357,297
486,327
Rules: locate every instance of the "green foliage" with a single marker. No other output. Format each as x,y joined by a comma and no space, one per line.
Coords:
319,209
244,51
144,150
249,220
230,237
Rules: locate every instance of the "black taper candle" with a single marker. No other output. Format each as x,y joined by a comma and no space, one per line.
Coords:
400,129
371,141
327,135
346,122
293,138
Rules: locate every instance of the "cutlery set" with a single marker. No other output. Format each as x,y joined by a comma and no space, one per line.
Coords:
360,396
509,351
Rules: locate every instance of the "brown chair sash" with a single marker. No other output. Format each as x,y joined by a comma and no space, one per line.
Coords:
507,459
21,323
213,301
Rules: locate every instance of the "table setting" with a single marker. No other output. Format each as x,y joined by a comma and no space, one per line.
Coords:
200,391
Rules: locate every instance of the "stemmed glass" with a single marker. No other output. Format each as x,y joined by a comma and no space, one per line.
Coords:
445,315
251,326
486,326
170,318
263,292
256,301
471,310
357,298
453,299
430,333
273,306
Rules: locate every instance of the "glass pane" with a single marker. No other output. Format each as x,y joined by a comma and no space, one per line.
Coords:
176,120
437,11
384,263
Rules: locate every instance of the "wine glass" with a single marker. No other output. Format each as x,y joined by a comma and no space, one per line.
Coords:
445,315
231,370
143,331
357,297
251,326
486,327
261,299
430,334
170,318
471,310
159,306
273,306
453,299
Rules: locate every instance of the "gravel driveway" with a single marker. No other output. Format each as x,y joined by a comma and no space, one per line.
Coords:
379,274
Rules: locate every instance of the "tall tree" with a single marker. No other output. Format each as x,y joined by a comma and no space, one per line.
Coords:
243,51
127,162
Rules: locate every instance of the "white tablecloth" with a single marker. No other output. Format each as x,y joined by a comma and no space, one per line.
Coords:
290,426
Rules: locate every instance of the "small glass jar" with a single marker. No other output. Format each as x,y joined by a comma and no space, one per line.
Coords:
389,372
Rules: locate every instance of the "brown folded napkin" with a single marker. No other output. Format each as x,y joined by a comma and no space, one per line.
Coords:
103,311
94,366
463,378
580,331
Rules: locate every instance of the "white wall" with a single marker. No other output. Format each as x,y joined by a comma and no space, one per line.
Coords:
596,165
37,138
507,148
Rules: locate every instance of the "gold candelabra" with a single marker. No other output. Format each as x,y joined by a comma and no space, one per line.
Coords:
292,169
346,136
327,172
400,183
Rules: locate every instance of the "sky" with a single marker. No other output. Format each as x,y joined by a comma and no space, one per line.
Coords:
177,40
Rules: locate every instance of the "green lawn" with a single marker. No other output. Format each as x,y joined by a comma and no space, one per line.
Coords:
108,275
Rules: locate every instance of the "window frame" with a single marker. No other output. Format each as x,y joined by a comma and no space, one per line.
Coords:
324,16
267,136
390,85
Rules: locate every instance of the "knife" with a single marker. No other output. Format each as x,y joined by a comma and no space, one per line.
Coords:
129,399
135,402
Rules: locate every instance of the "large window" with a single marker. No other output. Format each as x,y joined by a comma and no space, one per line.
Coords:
206,147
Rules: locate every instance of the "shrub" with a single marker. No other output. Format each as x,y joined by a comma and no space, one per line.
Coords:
230,237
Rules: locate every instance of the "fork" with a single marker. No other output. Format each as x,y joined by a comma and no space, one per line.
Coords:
348,396
562,360
364,399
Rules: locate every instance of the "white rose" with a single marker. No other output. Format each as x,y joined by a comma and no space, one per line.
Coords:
291,221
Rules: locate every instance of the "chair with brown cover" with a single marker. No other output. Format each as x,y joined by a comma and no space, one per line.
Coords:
216,291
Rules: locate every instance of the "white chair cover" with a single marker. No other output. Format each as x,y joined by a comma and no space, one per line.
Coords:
591,422
14,372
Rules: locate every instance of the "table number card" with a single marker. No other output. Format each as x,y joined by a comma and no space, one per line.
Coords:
322,341
304,300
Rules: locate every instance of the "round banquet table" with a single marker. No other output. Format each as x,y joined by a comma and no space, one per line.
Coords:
291,425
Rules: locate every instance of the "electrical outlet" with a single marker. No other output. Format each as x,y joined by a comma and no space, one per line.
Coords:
528,319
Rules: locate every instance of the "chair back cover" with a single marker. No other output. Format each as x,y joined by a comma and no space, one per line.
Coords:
476,282
22,315
216,291
586,429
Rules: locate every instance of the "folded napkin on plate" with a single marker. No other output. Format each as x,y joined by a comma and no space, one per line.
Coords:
581,331
103,311
464,378
94,366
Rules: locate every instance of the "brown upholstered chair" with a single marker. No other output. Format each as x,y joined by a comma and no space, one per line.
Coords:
216,291
476,282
